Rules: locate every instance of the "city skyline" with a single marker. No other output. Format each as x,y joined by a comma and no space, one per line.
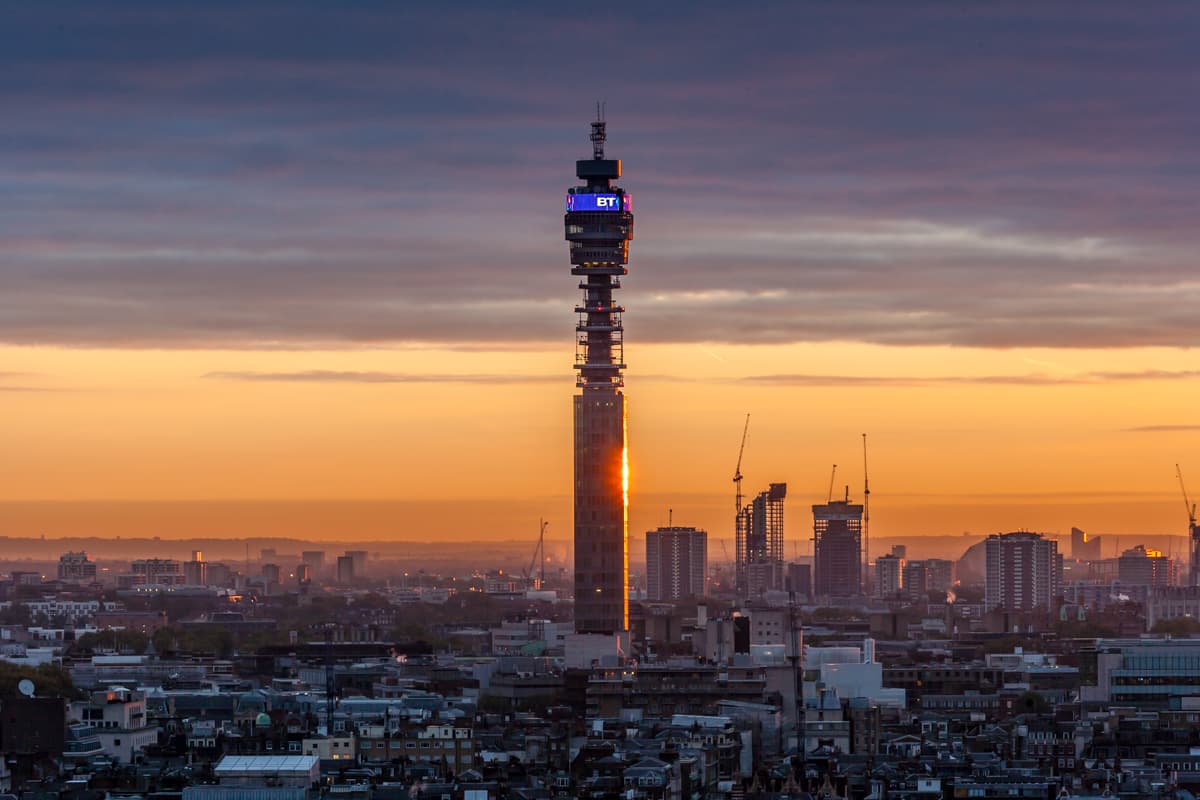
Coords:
247,265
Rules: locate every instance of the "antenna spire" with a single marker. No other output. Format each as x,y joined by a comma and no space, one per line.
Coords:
599,132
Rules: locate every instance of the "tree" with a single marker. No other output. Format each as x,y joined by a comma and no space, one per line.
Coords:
120,640
1032,703
49,680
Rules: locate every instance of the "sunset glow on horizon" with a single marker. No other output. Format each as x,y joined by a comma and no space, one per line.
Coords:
260,268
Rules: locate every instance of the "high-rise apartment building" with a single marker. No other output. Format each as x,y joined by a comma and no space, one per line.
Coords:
939,574
759,542
889,578
76,568
927,575
359,557
837,548
315,560
599,226
195,572
345,570
1138,566
157,571
1024,572
217,574
676,563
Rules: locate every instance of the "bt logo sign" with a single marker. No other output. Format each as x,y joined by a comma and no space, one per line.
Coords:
596,202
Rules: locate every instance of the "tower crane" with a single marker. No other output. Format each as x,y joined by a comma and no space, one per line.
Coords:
737,471
832,477
739,535
1193,532
539,552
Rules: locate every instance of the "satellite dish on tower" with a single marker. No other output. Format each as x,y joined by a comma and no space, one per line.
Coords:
25,687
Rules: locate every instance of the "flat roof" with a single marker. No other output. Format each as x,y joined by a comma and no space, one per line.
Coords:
233,765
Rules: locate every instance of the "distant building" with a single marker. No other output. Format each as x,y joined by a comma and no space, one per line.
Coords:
799,580
939,574
499,583
759,542
315,560
1084,548
359,557
76,568
676,688
889,570
837,548
270,572
25,578
146,622
927,575
217,574
345,570
153,572
195,572
303,573
1024,572
1138,566
1172,602
676,563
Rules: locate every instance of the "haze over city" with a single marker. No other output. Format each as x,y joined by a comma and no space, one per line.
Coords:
302,274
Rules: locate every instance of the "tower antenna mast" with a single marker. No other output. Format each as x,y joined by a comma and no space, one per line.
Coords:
598,226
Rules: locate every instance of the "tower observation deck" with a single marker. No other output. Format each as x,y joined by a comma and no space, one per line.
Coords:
599,225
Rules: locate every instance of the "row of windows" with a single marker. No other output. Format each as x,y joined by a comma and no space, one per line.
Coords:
449,745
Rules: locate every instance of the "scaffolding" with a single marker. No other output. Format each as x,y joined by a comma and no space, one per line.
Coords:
759,542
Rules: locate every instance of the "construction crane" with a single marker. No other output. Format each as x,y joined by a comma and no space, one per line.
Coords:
832,477
539,553
866,511
725,550
737,471
1193,532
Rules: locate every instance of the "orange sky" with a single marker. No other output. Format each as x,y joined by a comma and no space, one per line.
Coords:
1014,439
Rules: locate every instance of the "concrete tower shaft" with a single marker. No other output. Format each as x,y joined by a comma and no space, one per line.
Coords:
599,225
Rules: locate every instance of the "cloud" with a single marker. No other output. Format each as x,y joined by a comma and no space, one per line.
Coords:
949,380
1149,375
1162,428
332,376
7,376
319,177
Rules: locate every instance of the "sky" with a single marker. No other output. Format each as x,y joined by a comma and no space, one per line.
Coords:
296,253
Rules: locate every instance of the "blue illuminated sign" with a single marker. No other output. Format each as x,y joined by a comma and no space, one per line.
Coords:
595,202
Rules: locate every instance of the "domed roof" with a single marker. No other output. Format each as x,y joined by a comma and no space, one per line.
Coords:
263,720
